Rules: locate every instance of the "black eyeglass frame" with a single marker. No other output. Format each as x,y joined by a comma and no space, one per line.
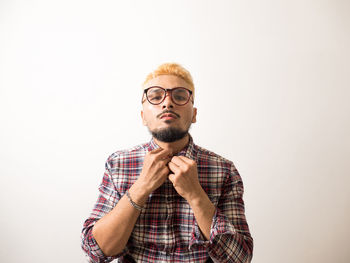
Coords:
170,93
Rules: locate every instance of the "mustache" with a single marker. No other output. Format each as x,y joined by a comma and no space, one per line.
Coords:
168,111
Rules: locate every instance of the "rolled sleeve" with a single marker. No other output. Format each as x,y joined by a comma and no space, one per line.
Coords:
108,197
92,250
230,239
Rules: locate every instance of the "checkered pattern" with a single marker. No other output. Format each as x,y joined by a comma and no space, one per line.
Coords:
166,230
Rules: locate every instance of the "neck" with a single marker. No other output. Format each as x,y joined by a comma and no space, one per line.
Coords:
174,147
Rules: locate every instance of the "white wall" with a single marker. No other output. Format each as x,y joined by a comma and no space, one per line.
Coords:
272,81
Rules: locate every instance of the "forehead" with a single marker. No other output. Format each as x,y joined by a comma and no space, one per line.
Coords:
167,82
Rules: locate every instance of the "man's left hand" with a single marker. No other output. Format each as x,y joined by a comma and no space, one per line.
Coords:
184,177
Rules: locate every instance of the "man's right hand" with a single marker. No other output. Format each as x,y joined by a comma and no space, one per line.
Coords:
154,171
113,230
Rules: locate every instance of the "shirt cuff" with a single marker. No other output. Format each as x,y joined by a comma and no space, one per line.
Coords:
95,252
218,227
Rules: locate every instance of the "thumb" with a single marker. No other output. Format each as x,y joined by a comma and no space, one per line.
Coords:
172,178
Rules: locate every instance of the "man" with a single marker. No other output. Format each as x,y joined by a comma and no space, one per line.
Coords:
168,200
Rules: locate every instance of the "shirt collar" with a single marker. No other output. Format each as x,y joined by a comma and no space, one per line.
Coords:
152,145
188,151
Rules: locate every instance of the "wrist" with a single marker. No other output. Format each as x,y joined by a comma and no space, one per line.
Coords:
197,197
138,193
135,205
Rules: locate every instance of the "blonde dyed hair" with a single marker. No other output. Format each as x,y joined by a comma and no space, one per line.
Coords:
171,69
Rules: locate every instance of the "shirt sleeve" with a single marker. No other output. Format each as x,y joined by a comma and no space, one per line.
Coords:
230,240
108,197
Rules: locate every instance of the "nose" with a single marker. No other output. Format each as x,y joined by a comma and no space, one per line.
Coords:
167,103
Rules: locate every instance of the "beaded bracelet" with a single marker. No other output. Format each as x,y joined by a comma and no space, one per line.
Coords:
133,203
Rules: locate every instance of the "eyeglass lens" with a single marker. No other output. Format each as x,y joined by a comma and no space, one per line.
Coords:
179,96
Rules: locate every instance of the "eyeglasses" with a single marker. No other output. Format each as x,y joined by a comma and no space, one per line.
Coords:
156,95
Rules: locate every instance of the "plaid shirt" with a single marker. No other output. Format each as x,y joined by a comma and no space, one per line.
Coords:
166,230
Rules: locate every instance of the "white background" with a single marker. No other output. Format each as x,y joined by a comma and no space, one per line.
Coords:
272,91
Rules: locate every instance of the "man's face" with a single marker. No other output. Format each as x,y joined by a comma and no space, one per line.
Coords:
153,116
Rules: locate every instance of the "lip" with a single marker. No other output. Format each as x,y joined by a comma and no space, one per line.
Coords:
168,116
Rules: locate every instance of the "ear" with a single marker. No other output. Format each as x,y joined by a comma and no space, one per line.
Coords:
194,117
143,119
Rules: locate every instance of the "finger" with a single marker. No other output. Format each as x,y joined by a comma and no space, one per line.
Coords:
173,167
165,171
154,151
165,161
159,153
186,160
172,178
164,154
178,161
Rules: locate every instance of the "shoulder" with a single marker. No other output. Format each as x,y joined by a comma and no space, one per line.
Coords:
206,157
136,152
205,154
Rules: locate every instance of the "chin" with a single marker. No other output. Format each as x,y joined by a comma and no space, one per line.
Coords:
169,134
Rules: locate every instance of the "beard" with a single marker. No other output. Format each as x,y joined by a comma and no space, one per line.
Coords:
170,134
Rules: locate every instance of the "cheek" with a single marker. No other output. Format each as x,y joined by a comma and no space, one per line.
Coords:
151,109
190,113
149,115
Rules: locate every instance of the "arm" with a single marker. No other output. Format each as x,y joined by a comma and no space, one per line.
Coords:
112,231
108,230
230,239
224,228
185,181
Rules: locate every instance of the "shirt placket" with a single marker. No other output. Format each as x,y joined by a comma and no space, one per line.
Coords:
170,200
